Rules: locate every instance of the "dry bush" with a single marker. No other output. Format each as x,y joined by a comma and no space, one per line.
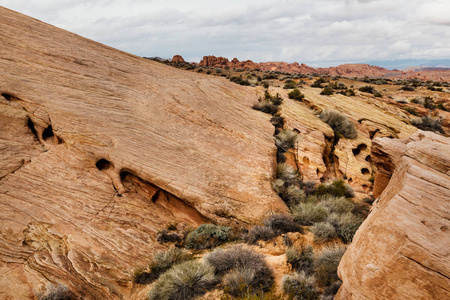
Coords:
257,233
323,232
339,123
281,223
301,259
286,139
310,213
208,236
300,286
326,264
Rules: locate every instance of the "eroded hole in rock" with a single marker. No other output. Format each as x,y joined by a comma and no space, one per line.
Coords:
165,203
8,96
30,125
368,158
350,180
103,164
365,171
48,133
372,133
357,150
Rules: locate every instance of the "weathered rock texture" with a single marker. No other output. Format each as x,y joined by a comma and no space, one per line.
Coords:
402,251
100,149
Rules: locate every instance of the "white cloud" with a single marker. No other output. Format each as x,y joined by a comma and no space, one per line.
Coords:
311,31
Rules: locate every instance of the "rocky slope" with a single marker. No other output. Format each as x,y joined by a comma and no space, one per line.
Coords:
100,149
401,250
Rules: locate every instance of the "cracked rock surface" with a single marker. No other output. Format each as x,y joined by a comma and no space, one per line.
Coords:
401,251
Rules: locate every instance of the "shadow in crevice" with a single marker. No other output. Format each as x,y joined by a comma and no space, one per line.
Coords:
152,194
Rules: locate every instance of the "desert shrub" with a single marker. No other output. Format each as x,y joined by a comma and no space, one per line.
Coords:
265,84
328,90
428,123
277,121
286,139
370,89
296,94
257,233
407,88
246,269
281,223
208,236
429,103
309,213
300,286
291,194
339,123
290,84
183,281
161,262
332,290
58,292
411,110
309,187
165,236
337,204
239,80
266,107
287,173
337,188
349,93
323,232
301,259
369,199
318,82
347,225
326,264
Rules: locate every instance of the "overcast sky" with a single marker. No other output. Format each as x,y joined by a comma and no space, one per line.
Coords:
315,32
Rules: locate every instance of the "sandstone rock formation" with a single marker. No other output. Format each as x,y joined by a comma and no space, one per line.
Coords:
178,58
345,70
401,251
100,149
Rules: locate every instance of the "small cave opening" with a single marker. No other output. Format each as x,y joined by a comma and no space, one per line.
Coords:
357,150
365,171
103,164
8,96
372,133
350,180
30,125
48,133
368,158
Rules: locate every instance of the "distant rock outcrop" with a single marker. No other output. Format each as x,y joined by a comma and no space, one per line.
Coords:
178,58
402,251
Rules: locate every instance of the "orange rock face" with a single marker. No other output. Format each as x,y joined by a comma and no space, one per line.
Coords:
178,58
401,250
100,149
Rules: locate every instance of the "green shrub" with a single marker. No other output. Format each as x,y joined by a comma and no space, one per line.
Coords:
58,292
326,264
257,233
301,259
336,204
161,262
370,89
291,194
411,110
337,188
310,213
428,123
323,232
318,82
339,123
281,223
347,226
300,286
208,236
290,84
246,269
286,139
429,103
296,94
183,281
287,173
327,91
266,107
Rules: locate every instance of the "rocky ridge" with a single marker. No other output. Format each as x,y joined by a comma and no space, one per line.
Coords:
401,250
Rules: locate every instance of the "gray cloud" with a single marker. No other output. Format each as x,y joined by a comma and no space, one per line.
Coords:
316,32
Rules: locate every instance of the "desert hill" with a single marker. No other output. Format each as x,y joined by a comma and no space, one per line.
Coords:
102,151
